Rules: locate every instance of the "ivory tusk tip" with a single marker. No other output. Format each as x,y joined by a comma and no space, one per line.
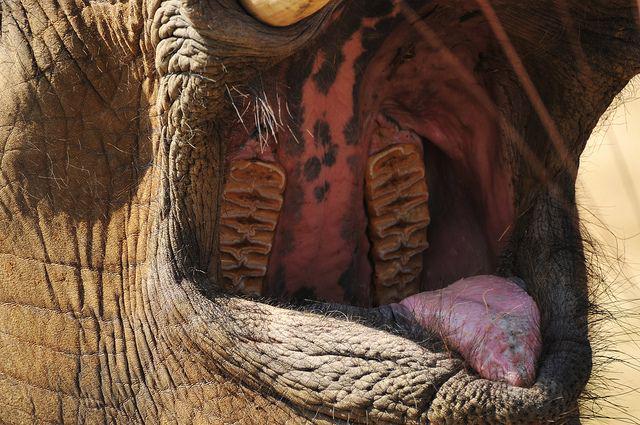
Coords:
282,13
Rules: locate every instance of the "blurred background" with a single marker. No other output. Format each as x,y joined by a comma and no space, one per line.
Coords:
609,198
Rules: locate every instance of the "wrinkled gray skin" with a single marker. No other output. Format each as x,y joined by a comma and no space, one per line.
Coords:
111,160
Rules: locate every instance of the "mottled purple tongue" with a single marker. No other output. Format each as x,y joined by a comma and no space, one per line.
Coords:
491,321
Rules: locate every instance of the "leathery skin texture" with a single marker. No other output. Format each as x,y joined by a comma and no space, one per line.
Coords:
147,275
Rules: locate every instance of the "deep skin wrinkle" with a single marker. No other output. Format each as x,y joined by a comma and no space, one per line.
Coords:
114,125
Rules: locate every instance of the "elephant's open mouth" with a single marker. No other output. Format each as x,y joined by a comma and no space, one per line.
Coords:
387,180
384,182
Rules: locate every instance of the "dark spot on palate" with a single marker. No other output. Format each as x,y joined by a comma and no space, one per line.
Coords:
322,132
312,169
326,75
330,156
320,192
351,131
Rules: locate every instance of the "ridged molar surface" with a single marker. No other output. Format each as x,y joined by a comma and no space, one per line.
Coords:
252,201
397,202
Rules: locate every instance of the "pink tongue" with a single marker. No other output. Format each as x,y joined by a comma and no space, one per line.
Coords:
491,321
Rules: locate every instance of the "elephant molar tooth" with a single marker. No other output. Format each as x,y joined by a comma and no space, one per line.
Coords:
397,202
251,205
